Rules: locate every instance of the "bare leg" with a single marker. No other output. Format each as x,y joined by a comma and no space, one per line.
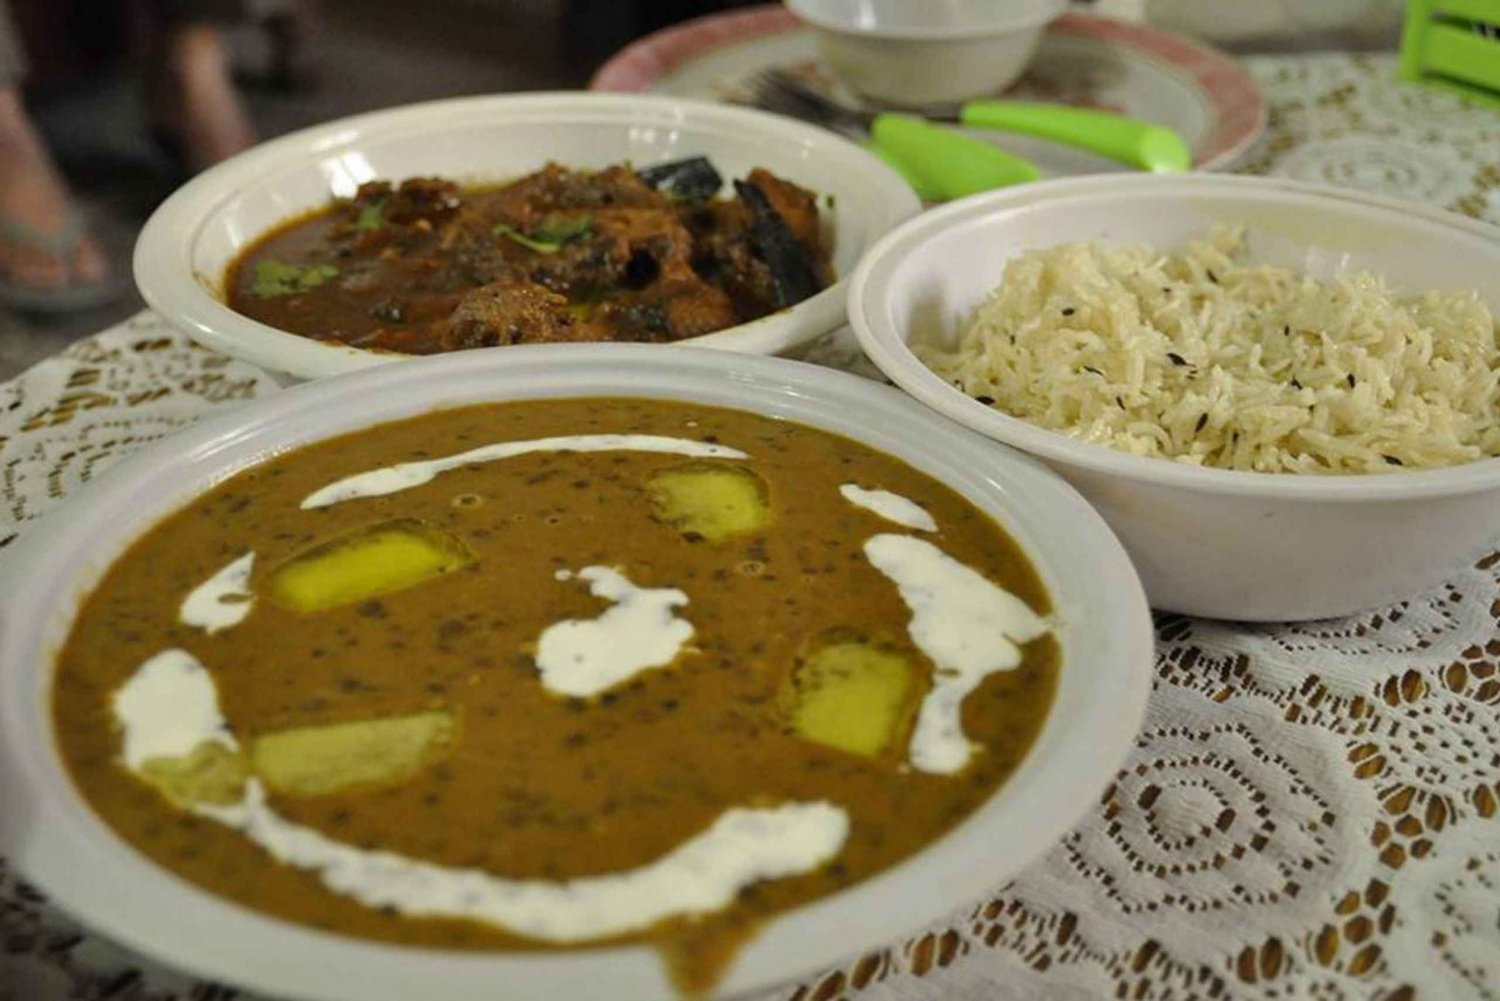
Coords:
34,197
195,97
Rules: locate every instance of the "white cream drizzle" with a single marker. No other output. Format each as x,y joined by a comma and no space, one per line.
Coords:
223,600
966,625
170,706
890,506
167,708
639,631
701,875
405,475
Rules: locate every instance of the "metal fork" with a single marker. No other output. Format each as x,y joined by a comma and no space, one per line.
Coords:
782,87
779,91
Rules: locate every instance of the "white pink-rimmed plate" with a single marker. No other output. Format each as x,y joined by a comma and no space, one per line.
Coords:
1083,60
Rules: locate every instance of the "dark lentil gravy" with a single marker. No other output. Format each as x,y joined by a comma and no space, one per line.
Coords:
538,785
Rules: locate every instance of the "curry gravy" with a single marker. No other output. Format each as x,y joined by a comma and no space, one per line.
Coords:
558,255
538,785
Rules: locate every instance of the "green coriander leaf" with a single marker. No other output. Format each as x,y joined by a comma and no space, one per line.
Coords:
371,216
276,278
561,230
540,246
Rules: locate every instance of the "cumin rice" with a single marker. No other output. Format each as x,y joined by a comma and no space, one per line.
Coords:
1203,358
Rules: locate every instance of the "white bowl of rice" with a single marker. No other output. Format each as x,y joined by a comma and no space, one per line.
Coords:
1283,397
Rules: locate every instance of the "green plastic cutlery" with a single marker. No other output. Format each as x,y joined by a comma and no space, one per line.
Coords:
1143,145
942,163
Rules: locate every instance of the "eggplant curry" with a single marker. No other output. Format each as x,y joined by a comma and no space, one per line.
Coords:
559,255
596,670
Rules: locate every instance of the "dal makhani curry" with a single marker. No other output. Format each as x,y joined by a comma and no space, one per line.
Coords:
587,670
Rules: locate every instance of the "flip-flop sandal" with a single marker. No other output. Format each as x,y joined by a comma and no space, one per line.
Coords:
60,246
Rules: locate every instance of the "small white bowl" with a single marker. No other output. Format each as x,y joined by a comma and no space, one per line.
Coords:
49,832
914,52
1212,542
190,239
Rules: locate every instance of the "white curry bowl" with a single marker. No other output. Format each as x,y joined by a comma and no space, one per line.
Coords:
1211,542
189,241
914,52
49,832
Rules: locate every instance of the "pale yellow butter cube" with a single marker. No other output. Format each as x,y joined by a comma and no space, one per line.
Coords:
314,760
710,501
853,696
391,556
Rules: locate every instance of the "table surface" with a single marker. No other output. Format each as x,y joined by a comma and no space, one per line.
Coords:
1310,811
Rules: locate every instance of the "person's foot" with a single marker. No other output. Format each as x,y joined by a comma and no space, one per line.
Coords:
42,247
194,100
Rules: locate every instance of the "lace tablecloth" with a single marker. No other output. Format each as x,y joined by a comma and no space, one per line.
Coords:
1310,811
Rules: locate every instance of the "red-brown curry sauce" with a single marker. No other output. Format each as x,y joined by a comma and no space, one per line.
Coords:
558,255
541,786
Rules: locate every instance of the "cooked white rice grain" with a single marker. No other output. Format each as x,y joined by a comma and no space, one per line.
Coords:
1200,357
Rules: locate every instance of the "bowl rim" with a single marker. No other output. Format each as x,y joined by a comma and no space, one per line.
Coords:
165,279
1036,14
92,873
871,285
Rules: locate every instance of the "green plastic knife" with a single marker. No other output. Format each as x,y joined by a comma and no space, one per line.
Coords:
1144,145
942,164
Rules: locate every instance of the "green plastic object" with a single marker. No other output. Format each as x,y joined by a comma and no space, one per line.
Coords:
943,164
1455,45
1129,140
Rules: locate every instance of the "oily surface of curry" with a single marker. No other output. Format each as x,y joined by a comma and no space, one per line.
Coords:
537,785
559,255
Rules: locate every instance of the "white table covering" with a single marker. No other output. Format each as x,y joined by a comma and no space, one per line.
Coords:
1310,811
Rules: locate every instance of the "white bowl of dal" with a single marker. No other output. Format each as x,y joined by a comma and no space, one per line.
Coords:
50,834
1213,542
